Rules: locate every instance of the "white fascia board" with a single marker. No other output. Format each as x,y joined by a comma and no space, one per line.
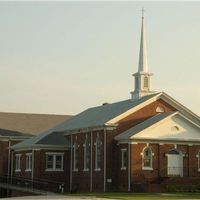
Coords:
156,141
181,108
189,120
42,147
94,128
123,137
134,109
157,123
168,141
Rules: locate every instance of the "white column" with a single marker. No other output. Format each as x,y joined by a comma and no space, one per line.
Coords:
104,156
91,161
129,167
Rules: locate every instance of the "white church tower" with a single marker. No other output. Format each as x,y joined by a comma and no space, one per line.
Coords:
142,77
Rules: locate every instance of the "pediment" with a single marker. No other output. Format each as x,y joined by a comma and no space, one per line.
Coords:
176,127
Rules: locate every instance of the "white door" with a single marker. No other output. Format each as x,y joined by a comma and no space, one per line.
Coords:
175,163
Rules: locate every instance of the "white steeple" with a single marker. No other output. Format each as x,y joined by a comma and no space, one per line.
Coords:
142,77
143,65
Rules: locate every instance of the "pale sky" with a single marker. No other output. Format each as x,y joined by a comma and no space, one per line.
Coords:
64,57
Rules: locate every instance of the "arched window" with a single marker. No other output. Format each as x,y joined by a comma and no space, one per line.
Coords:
75,154
86,153
98,145
147,158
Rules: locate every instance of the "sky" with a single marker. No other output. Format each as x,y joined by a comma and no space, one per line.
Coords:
64,57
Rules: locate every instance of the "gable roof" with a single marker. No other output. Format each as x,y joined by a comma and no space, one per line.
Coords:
4,133
105,115
30,123
143,125
92,117
170,126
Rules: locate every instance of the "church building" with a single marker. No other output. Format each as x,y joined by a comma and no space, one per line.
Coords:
140,144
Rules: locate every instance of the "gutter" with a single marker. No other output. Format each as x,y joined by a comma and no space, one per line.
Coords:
90,128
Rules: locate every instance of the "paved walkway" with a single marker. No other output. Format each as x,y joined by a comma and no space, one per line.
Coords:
55,197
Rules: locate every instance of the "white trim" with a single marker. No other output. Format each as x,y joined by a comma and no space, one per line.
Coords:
97,168
29,162
85,152
151,159
71,164
54,154
18,165
75,149
162,95
9,157
104,155
39,147
198,160
134,109
147,168
129,167
124,150
91,161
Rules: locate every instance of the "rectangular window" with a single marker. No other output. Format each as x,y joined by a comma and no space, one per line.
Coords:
98,145
75,155
123,159
86,149
18,162
28,161
54,161
58,161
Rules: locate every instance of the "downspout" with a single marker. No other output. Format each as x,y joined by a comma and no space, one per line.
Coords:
8,172
33,160
11,167
71,165
129,167
105,143
91,160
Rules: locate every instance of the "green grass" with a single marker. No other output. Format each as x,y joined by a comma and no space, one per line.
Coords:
140,196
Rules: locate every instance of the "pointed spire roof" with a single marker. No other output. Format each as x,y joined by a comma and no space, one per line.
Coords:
143,65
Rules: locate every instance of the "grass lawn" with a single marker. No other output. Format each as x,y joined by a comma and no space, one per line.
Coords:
145,196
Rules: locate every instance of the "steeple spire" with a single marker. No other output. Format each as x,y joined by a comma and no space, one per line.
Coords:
143,65
142,77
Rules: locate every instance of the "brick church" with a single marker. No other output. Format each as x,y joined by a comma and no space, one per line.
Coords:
149,139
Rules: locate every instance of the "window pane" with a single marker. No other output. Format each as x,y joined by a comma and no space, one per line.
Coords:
49,162
58,162
124,154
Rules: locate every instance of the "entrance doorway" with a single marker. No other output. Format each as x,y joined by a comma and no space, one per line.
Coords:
175,163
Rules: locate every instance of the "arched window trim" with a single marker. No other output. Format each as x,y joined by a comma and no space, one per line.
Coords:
86,153
150,167
178,151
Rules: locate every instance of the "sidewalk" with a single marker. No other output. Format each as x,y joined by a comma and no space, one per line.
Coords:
55,197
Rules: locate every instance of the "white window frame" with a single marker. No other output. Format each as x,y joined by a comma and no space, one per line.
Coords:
97,168
85,152
55,154
151,159
75,149
18,162
123,151
29,161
